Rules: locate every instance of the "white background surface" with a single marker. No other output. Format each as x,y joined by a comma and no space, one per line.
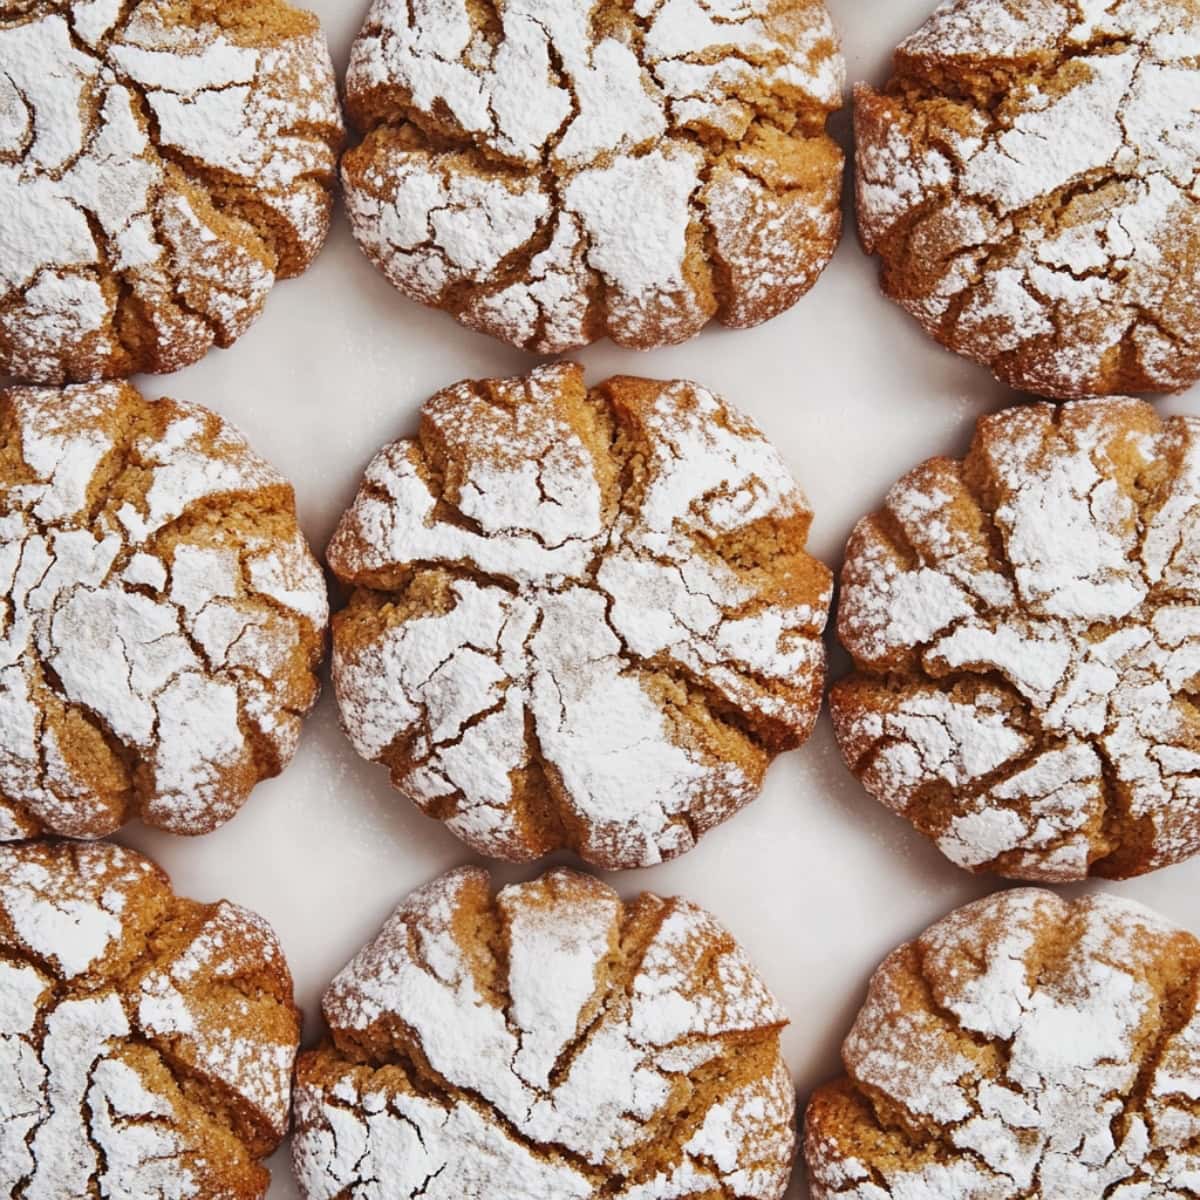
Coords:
816,880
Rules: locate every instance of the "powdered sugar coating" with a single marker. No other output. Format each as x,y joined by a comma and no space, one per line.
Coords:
1026,630
1029,178
1025,1046
557,171
162,615
550,1042
106,1092
545,654
160,166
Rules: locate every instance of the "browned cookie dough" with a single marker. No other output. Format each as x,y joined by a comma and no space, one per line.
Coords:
161,615
146,1041
1026,1047
162,163
548,1043
1028,177
1025,627
581,618
556,171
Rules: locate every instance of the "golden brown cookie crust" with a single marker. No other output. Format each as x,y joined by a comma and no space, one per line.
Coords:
1022,625
148,1040
1025,1046
162,163
1027,179
582,619
162,617
550,1043
558,172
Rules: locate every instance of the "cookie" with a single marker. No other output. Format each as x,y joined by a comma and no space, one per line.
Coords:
1026,635
146,1041
1023,1047
580,619
1027,179
162,163
553,171
548,1043
161,615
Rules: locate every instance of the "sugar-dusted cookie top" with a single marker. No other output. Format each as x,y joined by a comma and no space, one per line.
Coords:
162,163
1028,179
161,615
547,1043
1025,628
1024,1047
556,171
580,618
146,1041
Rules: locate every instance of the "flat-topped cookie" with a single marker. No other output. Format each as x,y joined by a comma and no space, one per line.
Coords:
546,1043
580,618
1025,629
162,163
161,615
556,171
146,1041
1023,1048
1028,179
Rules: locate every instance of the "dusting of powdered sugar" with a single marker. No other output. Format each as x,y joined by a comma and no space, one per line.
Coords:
118,126
621,1057
175,652
1047,1048
635,138
1078,620
83,1106
563,615
1060,218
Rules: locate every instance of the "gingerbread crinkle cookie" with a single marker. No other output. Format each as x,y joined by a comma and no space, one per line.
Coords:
146,1041
556,171
1029,179
548,1043
1025,634
162,163
161,615
581,619
1024,1047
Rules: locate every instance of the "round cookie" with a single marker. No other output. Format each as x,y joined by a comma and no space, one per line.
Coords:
1027,179
146,1041
162,163
556,171
549,1043
161,615
1023,1047
1024,628
580,618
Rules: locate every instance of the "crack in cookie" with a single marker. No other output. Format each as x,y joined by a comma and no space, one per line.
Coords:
146,1041
581,619
161,615
553,173
1025,628
162,163
1028,177
548,1042
1024,1046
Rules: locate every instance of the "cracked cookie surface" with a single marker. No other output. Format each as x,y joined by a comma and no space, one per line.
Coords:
146,1041
1025,1046
1029,179
161,615
556,171
581,619
1025,627
162,163
549,1043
